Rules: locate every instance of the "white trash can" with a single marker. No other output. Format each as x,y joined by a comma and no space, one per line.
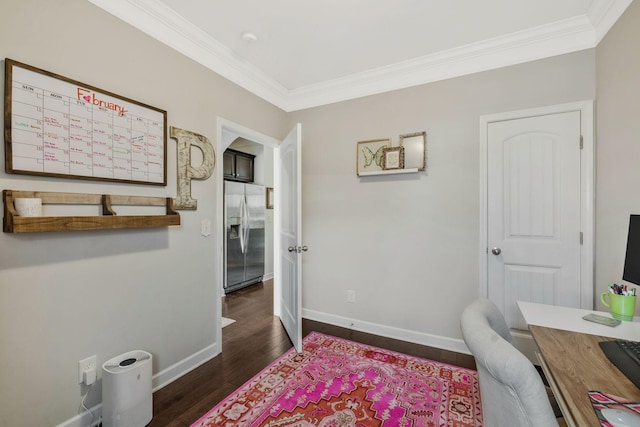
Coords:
127,399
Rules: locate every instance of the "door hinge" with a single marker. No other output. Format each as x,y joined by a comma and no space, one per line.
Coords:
581,238
581,142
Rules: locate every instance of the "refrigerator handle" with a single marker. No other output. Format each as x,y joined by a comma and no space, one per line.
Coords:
242,220
246,223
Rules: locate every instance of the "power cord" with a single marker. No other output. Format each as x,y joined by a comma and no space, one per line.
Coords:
93,417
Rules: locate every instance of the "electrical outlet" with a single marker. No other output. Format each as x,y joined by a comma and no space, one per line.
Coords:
85,365
351,296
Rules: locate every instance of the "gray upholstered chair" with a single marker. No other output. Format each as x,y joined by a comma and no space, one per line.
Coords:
511,389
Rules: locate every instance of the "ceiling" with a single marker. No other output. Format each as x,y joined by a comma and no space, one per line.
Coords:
309,53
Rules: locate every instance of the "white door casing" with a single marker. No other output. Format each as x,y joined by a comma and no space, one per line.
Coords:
288,205
537,208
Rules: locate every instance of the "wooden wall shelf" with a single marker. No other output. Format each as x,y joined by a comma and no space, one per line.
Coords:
389,172
109,220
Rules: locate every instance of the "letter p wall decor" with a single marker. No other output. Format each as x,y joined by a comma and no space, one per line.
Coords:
187,172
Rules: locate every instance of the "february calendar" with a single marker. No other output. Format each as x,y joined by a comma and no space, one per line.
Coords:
59,127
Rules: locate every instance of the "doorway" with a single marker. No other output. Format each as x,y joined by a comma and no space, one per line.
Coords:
537,209
227,133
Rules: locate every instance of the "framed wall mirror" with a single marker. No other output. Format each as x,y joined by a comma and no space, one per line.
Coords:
415,150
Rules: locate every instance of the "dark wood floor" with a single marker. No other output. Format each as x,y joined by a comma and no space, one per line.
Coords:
256,339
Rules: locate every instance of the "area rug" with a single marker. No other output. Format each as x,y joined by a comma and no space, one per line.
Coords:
338,383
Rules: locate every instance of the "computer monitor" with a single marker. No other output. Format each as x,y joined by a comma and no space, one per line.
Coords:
632,259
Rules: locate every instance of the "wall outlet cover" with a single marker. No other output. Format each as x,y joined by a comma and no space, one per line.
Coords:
351,296
85,365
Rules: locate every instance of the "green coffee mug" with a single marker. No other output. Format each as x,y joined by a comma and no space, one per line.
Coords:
622,307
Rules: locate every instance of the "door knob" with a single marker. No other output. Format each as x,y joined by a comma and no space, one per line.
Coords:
298,249
305,249
291,249
496,251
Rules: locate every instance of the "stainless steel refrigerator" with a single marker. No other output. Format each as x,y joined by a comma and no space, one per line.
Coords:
244,210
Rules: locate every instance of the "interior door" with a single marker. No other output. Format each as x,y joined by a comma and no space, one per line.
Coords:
289,204
534,212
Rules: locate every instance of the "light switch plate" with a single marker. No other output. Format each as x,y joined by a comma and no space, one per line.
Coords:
205,227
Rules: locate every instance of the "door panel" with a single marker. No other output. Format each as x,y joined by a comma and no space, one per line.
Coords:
235,260
531,184
234,256
290,214
528,283
254,259
534,211
244,168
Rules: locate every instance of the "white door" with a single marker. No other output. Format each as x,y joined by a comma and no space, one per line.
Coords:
534,212
289,206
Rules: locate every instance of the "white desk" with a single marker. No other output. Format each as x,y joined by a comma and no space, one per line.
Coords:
573,361
570,319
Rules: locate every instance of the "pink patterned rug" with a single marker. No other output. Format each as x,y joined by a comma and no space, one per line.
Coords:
340,383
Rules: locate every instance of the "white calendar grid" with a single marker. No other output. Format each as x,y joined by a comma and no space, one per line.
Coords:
66,129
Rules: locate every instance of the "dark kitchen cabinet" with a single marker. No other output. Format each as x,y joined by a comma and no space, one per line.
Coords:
238,166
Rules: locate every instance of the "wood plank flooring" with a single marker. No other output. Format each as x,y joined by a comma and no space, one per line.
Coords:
256,339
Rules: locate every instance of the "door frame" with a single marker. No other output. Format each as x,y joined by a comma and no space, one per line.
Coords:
587,191
226,132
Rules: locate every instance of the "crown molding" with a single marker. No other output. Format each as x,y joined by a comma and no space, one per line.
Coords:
565,36
549,40
603,14
163,24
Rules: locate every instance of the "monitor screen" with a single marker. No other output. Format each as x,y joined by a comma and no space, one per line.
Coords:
632,259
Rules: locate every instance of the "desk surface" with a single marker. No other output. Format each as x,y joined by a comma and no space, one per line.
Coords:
570,319
574,361
578,365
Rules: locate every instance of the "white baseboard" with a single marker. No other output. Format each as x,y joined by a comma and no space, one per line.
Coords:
159,380
186,365
267,276
523,341
84,419
437,341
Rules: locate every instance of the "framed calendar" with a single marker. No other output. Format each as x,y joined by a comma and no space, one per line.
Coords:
56,126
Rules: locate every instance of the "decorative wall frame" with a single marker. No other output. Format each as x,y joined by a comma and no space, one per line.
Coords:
56,126
369,155
415,150
269,198
393,158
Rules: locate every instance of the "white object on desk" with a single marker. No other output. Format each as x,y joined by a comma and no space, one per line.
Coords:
621,418
570,319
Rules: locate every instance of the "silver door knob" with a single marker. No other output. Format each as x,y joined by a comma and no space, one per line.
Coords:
496,251
291,249
304,249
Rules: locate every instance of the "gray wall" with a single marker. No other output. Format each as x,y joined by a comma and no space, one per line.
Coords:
618,144
408,244
65,296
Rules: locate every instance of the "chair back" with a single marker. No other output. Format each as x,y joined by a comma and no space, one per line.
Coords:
511,390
